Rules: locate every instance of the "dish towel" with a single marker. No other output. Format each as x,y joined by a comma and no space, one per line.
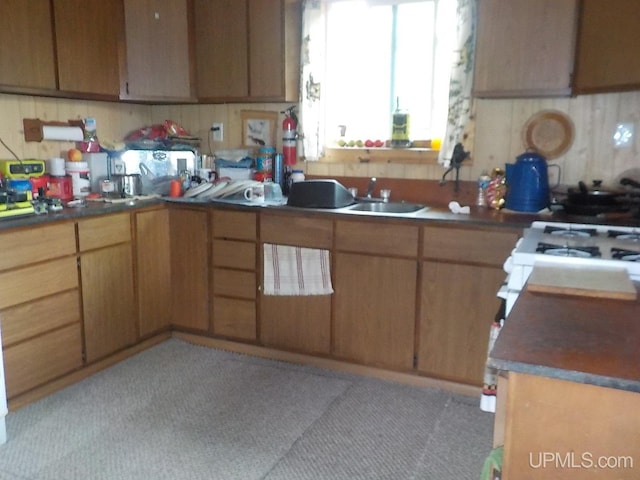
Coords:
296,271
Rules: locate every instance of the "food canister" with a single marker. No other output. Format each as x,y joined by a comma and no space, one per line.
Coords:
60,187
56,167
80,178
264,161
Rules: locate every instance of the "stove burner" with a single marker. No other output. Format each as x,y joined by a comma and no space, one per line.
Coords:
567,251
570,231
633,236
625,255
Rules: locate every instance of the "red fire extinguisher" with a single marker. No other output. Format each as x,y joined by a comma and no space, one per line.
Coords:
289,136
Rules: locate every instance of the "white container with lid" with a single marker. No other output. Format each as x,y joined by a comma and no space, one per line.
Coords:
80,178
297,176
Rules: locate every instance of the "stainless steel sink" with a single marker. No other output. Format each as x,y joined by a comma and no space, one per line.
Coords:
386,207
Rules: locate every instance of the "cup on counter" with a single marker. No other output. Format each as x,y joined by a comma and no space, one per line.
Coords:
353,191
255,193
385,194
175,188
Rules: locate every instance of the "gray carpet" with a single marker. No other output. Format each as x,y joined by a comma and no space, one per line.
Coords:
179,411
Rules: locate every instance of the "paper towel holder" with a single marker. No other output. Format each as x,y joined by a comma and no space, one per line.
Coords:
33,128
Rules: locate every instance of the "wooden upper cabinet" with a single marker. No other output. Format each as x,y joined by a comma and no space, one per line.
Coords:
222,63
158,51
27,59
607,59
248,50
525,48
88,35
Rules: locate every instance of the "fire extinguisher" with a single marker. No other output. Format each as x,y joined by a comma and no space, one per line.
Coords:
289,136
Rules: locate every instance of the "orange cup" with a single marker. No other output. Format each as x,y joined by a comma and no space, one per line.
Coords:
175,189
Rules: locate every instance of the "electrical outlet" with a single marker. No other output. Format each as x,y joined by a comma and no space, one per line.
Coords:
217,132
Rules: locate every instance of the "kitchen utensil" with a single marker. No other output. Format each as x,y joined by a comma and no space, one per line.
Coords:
528,183
128,185
596,195
549,132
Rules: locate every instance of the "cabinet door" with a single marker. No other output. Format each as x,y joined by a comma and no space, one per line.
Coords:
221,48
153,271
458,303
108,300
266,53
524,48
27,52
42,359
375,310
606,60
87,39
190,264
301,323
158,50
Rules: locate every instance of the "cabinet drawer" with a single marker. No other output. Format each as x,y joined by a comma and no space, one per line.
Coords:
236,225
34,318
234,318
33,363
101,231
380,238
38,281
233,254
37,244
234,283
466,245
298,231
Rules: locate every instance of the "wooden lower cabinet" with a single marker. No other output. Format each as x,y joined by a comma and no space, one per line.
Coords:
461,272
189,268
153,271
108,300
457,305
375,310
296,323
42,359
39,306
561,429
233,275
41,340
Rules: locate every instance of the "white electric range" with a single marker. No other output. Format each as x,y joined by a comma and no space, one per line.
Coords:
570,244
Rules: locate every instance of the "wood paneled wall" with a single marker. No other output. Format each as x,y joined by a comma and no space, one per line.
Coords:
496,139
114,121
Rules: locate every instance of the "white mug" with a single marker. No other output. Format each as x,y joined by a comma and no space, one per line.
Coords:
255,193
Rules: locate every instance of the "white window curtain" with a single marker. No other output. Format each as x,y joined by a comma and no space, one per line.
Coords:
311,115
460,85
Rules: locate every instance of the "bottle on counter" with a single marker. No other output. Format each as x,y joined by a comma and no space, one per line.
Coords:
483,184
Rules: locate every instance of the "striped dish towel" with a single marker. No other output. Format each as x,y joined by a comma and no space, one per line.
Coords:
296,271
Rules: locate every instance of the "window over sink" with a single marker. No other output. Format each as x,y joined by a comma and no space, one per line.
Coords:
376,56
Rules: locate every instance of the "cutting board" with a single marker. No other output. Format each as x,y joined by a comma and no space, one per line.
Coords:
582,281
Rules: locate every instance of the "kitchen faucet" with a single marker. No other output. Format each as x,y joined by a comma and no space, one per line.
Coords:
458,156
372,182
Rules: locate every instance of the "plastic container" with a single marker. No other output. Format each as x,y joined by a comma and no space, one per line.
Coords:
60,187
297,176
264,160
56,167
80,178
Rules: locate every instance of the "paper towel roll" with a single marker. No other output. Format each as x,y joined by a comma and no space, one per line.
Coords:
72,134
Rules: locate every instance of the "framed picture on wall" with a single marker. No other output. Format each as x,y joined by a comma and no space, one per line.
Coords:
258,128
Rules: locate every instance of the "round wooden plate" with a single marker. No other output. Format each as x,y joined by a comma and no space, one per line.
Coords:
549,132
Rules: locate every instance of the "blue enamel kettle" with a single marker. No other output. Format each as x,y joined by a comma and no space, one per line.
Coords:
528,183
